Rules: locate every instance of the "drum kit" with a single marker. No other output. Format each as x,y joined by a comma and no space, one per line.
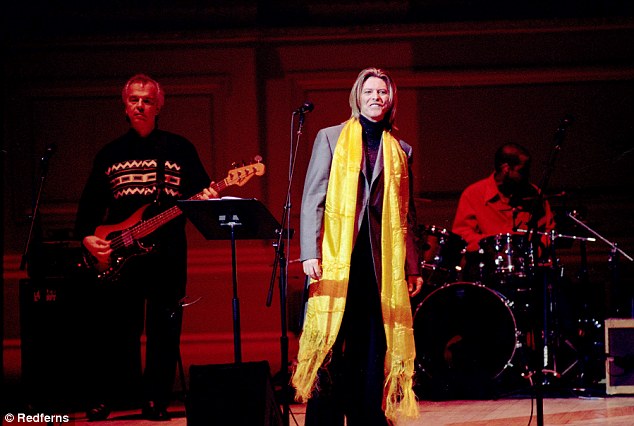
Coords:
478,320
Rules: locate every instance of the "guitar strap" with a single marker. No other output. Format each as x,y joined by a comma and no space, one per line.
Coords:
160,169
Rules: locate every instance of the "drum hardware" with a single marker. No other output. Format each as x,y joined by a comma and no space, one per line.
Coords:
560,355
590,330
591,354
554,347
572,364
507,265
550,328
441,254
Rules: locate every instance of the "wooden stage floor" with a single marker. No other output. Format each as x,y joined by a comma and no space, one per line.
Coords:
578,411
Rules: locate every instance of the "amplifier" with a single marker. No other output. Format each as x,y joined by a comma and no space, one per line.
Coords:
53,353
619,363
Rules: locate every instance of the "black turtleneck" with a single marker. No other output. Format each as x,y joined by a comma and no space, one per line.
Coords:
372,133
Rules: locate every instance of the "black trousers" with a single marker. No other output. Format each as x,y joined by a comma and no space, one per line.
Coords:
120,313
351,384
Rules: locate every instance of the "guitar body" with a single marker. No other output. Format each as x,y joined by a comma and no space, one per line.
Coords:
127,249
126,238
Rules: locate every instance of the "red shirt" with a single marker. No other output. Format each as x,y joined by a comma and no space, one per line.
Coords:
484,211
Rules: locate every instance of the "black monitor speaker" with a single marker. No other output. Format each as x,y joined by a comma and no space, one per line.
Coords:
238,394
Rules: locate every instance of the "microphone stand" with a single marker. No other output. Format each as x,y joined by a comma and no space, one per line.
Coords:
36,206
281,261
542,339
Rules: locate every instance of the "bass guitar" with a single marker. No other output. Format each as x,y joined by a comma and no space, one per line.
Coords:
126,237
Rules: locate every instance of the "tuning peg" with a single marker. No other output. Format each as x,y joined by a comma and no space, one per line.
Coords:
258,158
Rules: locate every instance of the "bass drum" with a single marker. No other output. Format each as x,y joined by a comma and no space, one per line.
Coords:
466,336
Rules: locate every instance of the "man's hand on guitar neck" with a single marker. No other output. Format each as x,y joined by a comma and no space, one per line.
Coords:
98,248
209,192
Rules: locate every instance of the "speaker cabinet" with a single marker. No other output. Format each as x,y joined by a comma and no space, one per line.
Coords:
51,346
619,364
238,394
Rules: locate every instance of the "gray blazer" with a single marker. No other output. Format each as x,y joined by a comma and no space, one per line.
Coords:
369,203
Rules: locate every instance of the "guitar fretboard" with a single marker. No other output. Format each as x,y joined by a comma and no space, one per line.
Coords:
148,226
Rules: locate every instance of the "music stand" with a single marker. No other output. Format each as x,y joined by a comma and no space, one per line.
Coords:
231,219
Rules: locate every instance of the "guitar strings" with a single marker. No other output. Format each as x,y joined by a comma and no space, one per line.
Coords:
146,227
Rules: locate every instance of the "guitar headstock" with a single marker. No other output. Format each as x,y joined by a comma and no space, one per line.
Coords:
240,175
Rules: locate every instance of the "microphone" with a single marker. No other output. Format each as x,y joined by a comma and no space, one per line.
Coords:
565,123
567,120
48,152
561,129
307,107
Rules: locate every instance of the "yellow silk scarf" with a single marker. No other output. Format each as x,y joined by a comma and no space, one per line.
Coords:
327,300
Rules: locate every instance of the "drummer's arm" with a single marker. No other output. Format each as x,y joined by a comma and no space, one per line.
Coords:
547,224
465,224
548,219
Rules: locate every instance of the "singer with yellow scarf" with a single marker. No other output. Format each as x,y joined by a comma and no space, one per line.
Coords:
356,355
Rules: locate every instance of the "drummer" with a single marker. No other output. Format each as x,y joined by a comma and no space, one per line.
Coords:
500,203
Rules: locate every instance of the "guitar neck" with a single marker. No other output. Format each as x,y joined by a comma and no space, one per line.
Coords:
146,227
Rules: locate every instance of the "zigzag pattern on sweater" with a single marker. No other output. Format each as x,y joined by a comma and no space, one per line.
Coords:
144,191
134,164
140,164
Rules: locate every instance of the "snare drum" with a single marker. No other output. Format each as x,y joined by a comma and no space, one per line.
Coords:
441,253
465,335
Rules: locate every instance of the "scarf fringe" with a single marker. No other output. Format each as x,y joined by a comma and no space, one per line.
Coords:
309,360
400,400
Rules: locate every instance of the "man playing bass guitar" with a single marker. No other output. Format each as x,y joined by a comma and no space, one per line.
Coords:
144,166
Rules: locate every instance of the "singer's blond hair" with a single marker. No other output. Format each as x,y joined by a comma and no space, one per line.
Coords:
357,88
